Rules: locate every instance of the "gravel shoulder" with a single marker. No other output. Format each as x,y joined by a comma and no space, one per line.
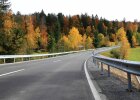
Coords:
113,87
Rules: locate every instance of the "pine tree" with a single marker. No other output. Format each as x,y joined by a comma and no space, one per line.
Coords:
96,40
51,44
57,31
4,5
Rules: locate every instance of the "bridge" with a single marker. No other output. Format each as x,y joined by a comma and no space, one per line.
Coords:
65,76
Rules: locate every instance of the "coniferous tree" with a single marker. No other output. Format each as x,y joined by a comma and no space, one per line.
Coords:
96,40
4,5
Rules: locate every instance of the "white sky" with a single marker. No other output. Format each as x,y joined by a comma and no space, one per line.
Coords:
109,9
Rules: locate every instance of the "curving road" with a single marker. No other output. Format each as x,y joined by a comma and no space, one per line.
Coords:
59,78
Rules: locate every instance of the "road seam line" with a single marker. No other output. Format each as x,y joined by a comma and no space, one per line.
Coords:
12,72
57,61
92,87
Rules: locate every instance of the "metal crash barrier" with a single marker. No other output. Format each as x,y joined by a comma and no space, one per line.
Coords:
130,67
14,57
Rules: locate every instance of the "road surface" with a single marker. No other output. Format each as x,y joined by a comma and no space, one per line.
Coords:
59,78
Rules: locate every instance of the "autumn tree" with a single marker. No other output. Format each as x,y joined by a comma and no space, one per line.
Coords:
89,42
124,49
84,38
75,38
113,38
63,44
43,36
31,36
101,39
134,42
88,31
138,38
107,42
11,37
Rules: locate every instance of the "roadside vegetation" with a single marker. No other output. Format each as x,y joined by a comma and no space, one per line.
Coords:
134,54
41,33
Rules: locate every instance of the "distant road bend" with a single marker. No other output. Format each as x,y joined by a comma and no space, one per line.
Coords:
59,78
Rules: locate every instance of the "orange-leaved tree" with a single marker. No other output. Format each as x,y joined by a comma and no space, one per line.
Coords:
31,35
43,30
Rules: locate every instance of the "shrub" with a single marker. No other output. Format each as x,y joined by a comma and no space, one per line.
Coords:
115,53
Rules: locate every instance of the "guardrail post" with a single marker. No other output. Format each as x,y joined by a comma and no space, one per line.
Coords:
108,70
97,63
21,59
4,60
129,82
14,60
102,71
93,60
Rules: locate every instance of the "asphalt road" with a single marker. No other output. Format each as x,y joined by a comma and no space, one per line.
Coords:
59,78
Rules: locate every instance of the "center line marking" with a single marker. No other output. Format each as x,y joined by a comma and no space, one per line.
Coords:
12,72
57,60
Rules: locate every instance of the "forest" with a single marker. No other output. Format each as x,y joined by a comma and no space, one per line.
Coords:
40,32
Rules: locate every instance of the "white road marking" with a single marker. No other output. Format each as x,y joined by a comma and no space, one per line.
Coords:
12,72
57,61
92,87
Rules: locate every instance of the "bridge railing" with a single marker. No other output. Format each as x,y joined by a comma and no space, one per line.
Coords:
130,67
14,57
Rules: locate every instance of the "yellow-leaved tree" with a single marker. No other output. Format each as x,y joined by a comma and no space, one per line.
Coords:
74,38
66,42
63,44
84,40
125,46
134,42
89,43
101,39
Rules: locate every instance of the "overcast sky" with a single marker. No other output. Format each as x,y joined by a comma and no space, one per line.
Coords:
109,9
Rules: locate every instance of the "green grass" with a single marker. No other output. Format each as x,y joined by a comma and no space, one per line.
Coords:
134,54
107,53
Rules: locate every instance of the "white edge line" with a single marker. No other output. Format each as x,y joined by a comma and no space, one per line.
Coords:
12,72
92,87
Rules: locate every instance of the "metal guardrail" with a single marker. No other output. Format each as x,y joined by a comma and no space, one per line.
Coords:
4,57
130,67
